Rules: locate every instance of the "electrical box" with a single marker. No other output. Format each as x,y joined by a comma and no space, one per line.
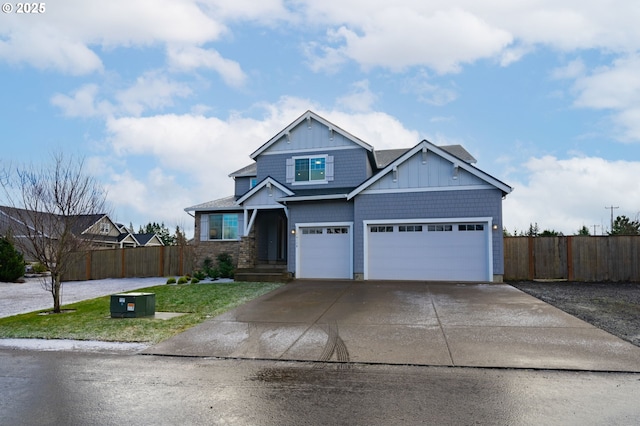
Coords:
133,305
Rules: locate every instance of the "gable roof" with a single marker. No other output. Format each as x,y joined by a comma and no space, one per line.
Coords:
308,116
426,145
226,203
247,171
386,156
266,182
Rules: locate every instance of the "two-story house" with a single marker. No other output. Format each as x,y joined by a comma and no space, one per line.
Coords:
324,204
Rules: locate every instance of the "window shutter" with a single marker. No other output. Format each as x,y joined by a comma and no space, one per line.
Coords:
240,225
291,171
204,227
328,173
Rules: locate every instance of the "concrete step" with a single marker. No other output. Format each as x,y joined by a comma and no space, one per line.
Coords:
262,275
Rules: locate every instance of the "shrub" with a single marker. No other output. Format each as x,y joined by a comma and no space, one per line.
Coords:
183,280
194,280
199,275
171,280
208,268
38,268
225,265
11,261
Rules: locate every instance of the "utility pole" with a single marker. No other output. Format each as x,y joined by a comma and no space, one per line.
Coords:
612,208
594,229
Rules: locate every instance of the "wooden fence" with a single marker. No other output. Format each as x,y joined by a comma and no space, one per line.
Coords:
574,258
130,263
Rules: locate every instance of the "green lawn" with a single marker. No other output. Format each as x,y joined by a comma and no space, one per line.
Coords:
92,320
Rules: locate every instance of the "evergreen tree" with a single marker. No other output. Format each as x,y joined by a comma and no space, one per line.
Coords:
11,262
625,226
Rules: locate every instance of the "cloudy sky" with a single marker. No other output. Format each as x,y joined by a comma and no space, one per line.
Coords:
165,98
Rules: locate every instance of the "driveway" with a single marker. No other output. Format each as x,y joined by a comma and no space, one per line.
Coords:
411,323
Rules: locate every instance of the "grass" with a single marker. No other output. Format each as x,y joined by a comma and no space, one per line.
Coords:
91,319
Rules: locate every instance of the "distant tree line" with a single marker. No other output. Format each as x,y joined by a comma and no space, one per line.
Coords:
621,226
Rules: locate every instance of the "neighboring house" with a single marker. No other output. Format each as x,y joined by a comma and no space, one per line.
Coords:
127,239
99,229
324,204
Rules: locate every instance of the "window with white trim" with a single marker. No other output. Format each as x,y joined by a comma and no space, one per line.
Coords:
223,226
310,169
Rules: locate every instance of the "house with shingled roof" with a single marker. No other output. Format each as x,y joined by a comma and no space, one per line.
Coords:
319,203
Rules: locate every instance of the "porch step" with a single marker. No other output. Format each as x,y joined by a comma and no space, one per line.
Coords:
263,273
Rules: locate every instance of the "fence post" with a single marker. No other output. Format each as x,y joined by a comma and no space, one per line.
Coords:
122,263
531,259
88,266
161,274
569,258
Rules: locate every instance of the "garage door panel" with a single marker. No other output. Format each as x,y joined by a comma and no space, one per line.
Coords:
441,254
325,252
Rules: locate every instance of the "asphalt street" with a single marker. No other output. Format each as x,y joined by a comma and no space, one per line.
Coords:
80,388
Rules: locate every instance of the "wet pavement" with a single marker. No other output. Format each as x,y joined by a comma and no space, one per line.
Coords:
412,323
79,388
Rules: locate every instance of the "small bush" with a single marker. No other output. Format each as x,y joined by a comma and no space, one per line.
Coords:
194,280
183,280
208,268
200,275
11,261
171,280
38,268
225,265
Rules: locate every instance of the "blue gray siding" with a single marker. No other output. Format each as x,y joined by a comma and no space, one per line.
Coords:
350,168
242,185
438,204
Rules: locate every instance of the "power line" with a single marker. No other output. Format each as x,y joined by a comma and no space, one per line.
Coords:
612,208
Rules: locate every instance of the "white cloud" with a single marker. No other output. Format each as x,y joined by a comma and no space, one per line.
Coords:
571,70
360,99
151,91
566,194
64,37
427,92
615,88
398,38
82,103
187,58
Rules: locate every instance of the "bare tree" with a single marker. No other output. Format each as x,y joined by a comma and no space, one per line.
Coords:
49,210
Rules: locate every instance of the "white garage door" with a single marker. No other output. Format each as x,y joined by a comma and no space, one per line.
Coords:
324,252
428,251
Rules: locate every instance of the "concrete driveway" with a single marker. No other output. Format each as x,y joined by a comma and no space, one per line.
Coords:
412,323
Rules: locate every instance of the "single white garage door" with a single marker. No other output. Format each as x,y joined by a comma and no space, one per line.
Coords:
324,252
428,251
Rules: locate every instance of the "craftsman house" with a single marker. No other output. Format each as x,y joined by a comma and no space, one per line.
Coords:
321,203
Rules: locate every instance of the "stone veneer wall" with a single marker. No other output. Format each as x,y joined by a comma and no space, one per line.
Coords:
247,251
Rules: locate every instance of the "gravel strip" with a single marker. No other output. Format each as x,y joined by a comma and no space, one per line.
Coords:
612,307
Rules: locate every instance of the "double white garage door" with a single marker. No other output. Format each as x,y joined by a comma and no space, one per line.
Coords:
456,251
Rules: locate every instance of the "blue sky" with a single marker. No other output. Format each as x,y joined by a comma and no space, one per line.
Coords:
163,98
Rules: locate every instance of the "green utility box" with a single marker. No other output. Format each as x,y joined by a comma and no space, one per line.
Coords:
133,305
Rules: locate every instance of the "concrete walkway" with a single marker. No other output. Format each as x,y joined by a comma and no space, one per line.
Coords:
444,324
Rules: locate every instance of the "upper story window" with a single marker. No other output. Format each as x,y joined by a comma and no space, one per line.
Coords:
253,182
105,227
311,169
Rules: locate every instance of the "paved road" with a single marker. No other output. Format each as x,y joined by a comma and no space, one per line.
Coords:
72,388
